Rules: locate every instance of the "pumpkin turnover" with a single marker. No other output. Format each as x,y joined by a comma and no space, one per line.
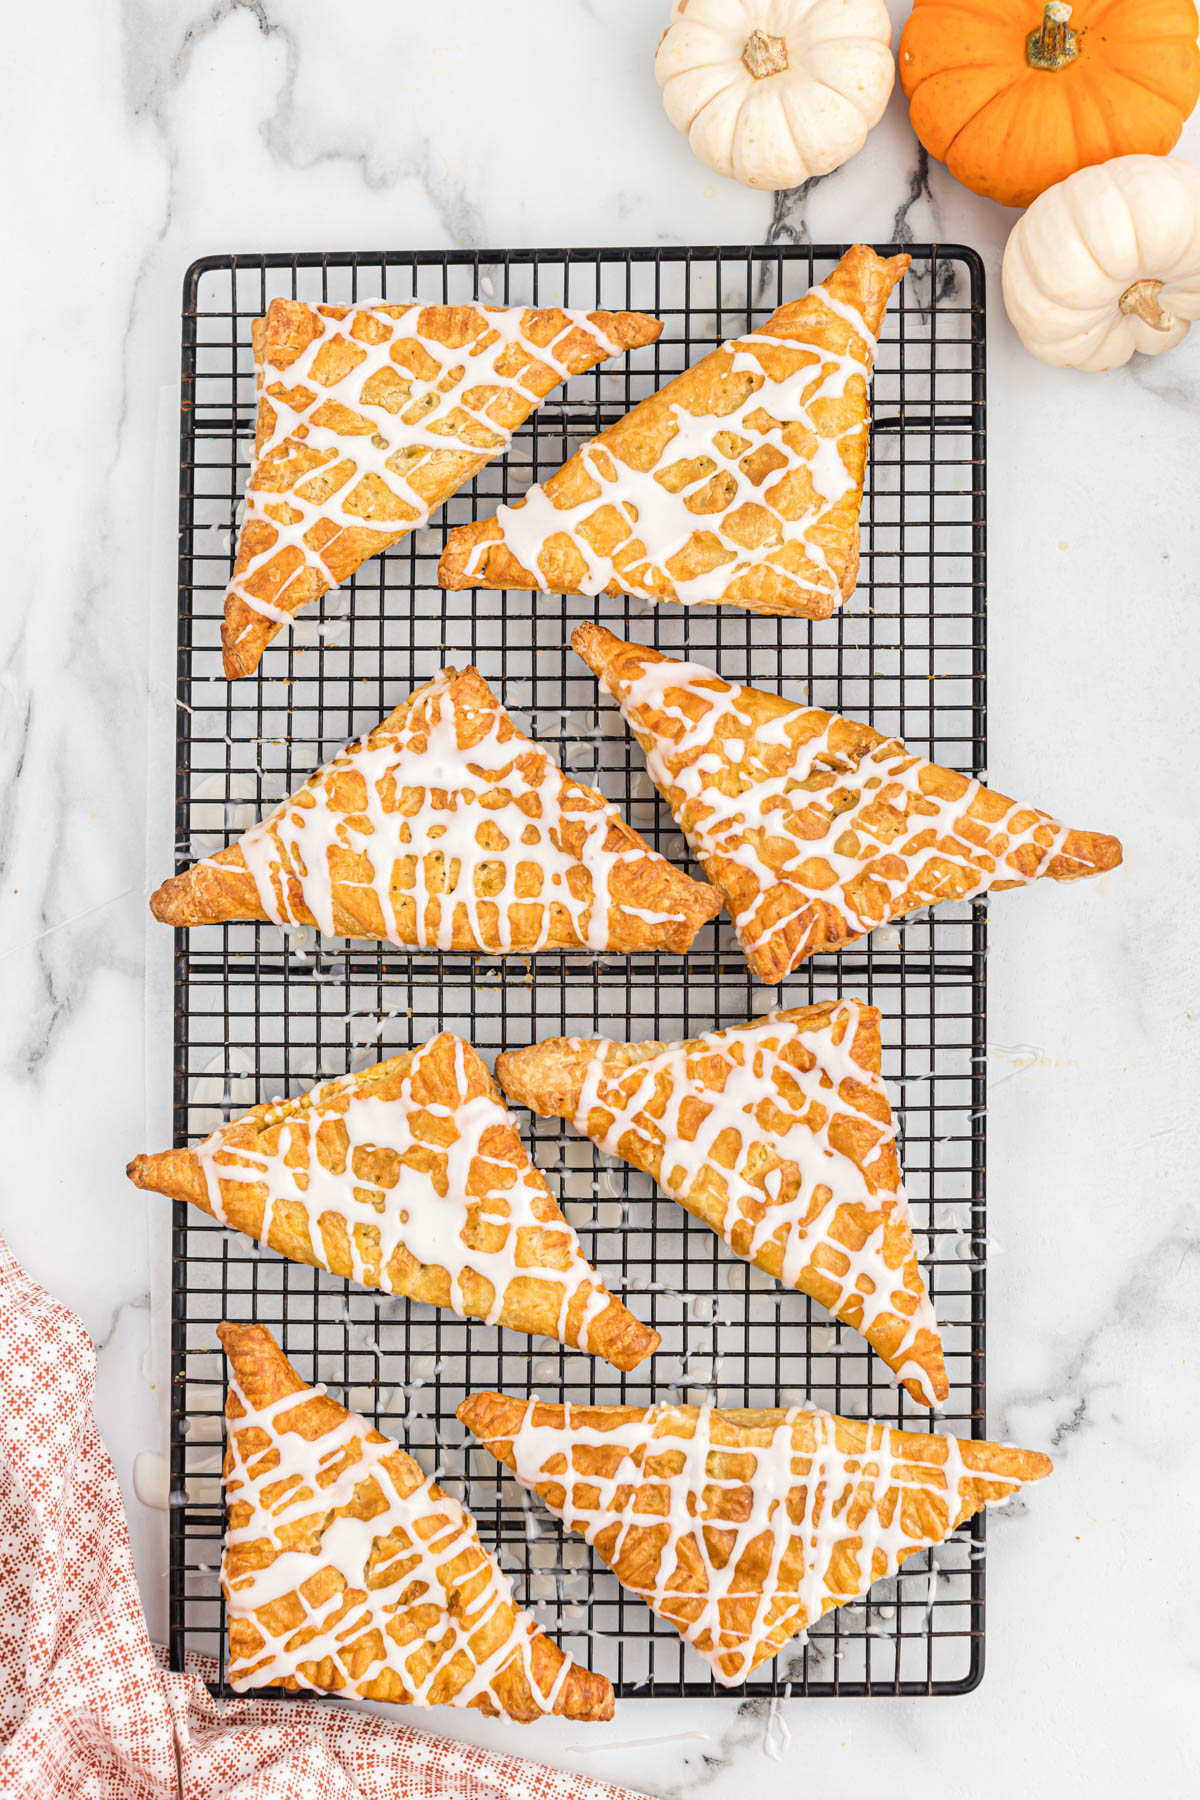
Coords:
780,1136
816,828
738,1528
348,1570
447,828
738,483
409,1177
369,418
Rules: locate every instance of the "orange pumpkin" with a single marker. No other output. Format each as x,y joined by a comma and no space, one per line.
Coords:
1014,95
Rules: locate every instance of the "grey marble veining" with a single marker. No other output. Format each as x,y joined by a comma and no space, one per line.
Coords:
142,135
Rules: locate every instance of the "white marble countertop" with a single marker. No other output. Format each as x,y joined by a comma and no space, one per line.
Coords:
174,128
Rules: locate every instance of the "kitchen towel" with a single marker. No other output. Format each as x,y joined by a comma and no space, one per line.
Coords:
87,1711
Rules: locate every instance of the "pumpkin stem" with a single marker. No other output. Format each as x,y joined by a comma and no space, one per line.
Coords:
1052,45
1142,299
765,55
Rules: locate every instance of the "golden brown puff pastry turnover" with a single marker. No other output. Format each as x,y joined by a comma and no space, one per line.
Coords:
739,482
369,418
816,828
778,1134
409,1177
447,828
741,1529
348,1570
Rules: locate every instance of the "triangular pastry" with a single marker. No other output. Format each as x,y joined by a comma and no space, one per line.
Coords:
447,828
740,482
780,1136
409,1177
815,828
348,1570
741,1529
369,418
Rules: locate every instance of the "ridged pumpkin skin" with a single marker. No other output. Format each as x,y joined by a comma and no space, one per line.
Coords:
1009,130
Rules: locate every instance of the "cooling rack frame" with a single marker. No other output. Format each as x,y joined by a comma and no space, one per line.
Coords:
920,608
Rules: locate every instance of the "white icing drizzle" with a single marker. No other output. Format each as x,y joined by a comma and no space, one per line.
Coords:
503,786
322,1475
768,805
413,1213
761,1084
450,410
670,1452
661,520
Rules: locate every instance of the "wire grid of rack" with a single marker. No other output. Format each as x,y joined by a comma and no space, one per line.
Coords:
259,1014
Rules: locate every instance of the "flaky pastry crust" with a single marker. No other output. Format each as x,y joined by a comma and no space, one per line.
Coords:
794,1166
423,1615
816,828
763,444
547,863
777,1518
369,418
350,1175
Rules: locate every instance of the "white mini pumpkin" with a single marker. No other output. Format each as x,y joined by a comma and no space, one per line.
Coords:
1107,262
772,92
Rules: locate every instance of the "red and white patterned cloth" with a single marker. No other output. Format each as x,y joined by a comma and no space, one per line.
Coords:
86,1710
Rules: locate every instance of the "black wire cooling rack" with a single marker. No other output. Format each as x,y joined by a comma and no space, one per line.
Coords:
258,1015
